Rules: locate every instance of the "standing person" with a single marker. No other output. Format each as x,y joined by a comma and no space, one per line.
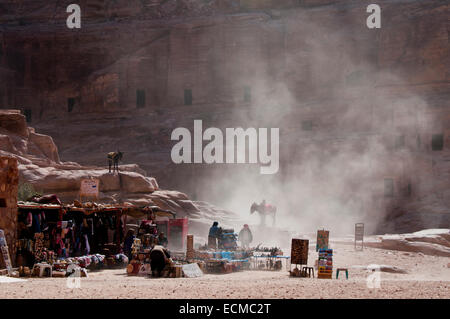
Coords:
213,235
162,240
245,236
159,258
128,243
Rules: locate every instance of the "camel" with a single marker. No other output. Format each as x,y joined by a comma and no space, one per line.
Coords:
264,209
113,160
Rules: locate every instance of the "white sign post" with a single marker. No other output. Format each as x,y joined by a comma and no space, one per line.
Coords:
359,235
89,188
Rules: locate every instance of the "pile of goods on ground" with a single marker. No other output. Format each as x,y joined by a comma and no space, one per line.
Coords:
223,261
63,267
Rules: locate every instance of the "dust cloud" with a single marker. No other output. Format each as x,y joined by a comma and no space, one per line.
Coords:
338,127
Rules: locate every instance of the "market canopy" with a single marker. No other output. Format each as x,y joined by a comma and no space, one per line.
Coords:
133,211
33,205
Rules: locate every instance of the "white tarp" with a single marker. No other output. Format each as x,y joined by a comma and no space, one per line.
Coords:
192,270
7,280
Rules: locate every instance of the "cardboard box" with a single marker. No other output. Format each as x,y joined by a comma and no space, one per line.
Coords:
324,276
227,268
176,271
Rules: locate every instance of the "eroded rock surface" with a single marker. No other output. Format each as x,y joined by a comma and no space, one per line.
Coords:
39,165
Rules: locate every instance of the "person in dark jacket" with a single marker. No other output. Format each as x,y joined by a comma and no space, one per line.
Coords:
159,258
128,243
214,233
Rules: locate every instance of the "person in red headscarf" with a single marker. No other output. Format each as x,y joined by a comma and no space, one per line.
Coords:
245,236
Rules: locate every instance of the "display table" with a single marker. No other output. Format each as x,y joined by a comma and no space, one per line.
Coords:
265,262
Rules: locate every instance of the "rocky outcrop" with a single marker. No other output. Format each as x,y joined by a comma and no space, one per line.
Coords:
54,180
46,145
22,142
14,122
387,268
39,165
435,242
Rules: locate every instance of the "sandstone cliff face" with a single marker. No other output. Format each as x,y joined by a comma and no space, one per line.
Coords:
340,93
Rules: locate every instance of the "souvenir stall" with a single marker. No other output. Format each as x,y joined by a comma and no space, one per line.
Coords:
208,261
228,258
267,262
94,230
88,235
37,226
151,222
146,237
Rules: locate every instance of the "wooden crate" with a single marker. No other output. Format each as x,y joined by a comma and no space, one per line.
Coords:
214,266
324,275
176,271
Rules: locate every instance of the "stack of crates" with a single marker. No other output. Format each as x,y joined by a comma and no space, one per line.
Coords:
228,240
214,266
325,263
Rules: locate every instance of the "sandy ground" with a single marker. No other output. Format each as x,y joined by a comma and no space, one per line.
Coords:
427,277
